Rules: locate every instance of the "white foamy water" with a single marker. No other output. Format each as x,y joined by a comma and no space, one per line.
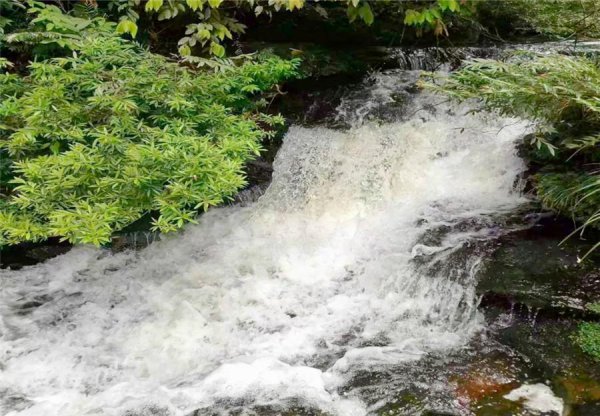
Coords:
347,262
537,397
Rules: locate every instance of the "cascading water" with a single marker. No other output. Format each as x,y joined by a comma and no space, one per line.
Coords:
354,259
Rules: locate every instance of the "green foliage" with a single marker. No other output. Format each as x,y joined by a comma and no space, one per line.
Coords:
8,10
560,18
218,21
210,24
561,93
50,32
431,16
215,20
556,89
588,338
570,193
95,140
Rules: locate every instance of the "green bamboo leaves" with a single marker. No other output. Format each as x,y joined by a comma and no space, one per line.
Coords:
432,17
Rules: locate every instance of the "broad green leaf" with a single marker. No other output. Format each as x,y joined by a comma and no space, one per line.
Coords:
366,14
295,4
217,50
185,50
127,26
153,5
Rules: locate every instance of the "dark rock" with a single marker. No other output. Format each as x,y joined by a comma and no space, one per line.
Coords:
588,409
535,292
549,344
293,407
27,254
532,270
150,410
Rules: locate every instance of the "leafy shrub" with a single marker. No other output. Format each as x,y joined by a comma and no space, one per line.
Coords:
216,21
432,15
44,31
209,24
8,9
92,141
561,93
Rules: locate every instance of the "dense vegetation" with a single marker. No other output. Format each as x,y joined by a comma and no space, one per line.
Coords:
93,140
218,20
83,90
208,25
559,19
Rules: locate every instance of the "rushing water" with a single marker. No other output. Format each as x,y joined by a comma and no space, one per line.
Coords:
353,259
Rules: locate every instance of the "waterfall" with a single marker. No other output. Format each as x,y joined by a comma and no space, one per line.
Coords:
360,255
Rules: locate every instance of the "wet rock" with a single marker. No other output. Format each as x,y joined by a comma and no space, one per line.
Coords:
579,389
150,410
470,381
133,240
407,404
535,293
531,269
587,409
548,345
491,373
249,195
224,408
26,254
483,379
28,305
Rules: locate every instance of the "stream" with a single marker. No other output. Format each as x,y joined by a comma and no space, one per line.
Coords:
349,282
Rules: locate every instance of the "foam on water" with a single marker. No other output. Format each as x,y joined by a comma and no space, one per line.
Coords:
538,398
276,303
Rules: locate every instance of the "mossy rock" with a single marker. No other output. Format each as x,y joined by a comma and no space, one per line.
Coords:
579,389
406,404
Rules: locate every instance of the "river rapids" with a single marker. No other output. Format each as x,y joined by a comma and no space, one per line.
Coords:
354,259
